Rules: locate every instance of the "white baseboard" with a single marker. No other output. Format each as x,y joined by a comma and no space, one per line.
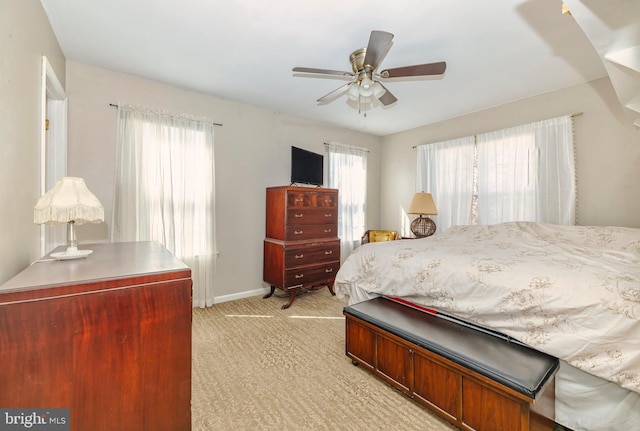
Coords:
241,295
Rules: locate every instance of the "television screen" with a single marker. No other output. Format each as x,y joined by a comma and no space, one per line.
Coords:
306,167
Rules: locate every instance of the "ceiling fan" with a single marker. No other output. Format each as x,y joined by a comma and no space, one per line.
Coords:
367,81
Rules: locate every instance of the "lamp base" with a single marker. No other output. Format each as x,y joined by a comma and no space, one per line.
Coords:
423,227
71,253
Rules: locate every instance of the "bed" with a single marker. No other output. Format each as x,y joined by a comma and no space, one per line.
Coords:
569,291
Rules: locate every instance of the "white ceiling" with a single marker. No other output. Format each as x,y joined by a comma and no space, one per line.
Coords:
497,51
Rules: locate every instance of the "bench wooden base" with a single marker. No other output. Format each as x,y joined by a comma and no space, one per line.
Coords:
465,398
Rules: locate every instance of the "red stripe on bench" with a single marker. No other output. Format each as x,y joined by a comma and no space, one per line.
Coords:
411,304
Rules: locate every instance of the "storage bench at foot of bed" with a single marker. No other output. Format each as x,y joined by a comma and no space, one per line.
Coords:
474,379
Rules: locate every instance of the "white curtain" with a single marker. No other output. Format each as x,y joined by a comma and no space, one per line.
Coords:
164,189
347,172
507,176
527,173
556,170
446,169
522,173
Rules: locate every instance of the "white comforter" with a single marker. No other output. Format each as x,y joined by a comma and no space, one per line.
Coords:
570,291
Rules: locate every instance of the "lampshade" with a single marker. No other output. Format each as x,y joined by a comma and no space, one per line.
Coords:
422,203
71,202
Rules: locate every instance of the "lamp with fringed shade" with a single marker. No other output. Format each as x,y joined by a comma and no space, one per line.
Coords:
70,202
422,204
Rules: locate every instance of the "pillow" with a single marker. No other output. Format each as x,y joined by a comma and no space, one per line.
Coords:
381,235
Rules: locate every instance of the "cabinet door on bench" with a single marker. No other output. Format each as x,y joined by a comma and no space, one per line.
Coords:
436,385
393,363
486,409
361,343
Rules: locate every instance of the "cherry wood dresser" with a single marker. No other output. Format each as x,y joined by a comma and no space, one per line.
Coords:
301,248
108,337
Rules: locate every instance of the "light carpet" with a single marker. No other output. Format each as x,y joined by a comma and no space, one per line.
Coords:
258,367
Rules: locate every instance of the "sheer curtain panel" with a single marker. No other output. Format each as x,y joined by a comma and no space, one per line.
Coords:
164,189
556,170
527,173
446,170
347,172
507,176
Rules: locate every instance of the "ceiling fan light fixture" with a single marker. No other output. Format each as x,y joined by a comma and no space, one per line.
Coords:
366,87
378,90
354,92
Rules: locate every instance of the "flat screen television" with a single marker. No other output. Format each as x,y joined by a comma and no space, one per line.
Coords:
306,167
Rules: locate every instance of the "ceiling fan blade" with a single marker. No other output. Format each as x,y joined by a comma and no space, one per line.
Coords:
379,45
417,70
387,98
330,97
322,71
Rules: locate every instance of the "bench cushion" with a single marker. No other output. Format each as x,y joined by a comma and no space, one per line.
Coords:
496,357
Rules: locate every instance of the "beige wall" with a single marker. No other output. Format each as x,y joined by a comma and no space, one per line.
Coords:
607,160
252,152
25,36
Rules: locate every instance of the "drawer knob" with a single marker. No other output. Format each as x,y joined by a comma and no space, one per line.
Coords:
328,270
299,256
328,252
328,215
299,275
327,230
297,232
298,215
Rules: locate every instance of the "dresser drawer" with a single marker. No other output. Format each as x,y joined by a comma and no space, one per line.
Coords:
311,231
328,200
311,275
300,216
312,253
312,199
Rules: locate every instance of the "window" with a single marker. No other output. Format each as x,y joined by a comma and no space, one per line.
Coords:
507,170
525,173
172,173
164,189
447,171
347,172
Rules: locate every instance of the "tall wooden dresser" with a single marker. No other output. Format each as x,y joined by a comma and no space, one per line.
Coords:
301,248
108,337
